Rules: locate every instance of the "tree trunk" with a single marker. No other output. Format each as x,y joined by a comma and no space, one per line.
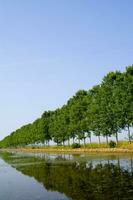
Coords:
68,141
84,142
73,140
90,139
79,141
99,139
116,135
129,135
107,140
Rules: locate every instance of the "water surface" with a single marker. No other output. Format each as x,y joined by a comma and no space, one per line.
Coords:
65,177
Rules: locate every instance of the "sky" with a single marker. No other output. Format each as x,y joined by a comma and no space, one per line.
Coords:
49,49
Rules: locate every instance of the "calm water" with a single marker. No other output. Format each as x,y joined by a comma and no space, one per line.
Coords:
63,177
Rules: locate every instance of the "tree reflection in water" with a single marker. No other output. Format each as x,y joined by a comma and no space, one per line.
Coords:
79,179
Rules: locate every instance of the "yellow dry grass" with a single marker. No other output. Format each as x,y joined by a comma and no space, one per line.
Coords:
122,147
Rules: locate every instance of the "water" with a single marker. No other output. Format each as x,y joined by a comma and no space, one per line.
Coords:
65,177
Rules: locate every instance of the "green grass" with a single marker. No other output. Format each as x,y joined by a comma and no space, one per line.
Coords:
95,145
121,144
125,145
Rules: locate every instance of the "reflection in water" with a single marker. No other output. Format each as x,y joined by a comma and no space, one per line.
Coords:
79,177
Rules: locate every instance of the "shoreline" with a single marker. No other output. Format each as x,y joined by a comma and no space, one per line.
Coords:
71,151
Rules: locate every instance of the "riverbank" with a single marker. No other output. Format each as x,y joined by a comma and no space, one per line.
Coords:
122,147
72,151
47,150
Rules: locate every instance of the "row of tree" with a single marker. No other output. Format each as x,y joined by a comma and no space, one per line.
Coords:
104,110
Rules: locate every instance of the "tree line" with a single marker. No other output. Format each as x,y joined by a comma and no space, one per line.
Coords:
104,110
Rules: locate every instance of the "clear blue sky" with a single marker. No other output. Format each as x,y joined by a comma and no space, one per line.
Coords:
51,48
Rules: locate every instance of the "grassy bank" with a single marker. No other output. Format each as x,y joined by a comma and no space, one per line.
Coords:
122,147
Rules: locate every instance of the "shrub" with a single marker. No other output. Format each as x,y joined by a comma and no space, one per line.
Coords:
112,144
76,145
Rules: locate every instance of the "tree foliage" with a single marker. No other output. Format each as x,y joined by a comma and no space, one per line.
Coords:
104,110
